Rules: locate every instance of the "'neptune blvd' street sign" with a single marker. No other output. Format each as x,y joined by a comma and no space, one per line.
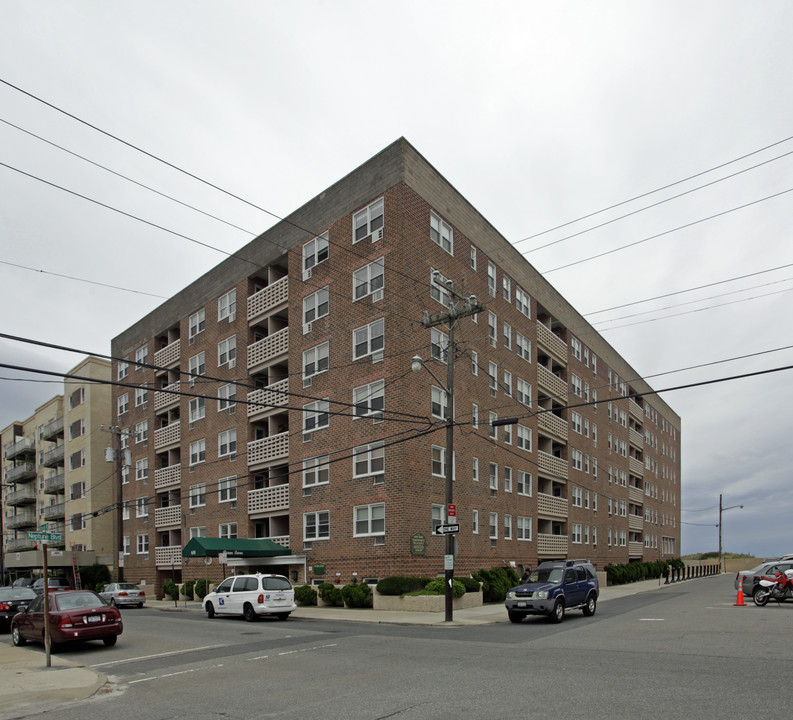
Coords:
44,537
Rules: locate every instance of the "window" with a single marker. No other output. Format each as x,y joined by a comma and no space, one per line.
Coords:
369,339
575,533
492,373
575,347
123,404
441,233
316,360
507,479
197,409
492,430
493,526
123,369
227,351
143,544
316,471
508,434
575,384
369,221
524,528
506,288
126,544
507,336
524,438
77,398
226,396
438,289
77,460
142,431
369,519
523,346
124,474
474,362
198,451
437,517
227,530
440,405
227,306
141,397
227,442
369,399
475,522
369,460
575,422
196,324
227,489
524,483
524,392
507,527
475,470
368,279
141,356
577,495
316,525
316,305
197,365
315,251
142,507
125,510
316,415
492,331
493,474
142,469
439,345
473,257
491,279
577,460
507,383
474,415
198,532
522,301
76,491
198,495
438,461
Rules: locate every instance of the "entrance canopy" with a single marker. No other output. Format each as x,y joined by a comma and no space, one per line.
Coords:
233,547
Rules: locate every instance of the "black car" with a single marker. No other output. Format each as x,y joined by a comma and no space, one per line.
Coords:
12,601
22,582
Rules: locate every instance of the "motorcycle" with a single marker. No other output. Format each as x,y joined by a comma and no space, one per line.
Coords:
778,588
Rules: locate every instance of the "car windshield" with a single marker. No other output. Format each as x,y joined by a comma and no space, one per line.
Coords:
18,593
78,601
546,575
276,583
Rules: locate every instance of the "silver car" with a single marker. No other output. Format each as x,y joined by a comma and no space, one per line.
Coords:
749,580
121,594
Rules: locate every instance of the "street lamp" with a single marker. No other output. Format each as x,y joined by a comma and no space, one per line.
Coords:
723,510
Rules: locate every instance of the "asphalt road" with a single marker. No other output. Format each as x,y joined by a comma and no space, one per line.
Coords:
672,653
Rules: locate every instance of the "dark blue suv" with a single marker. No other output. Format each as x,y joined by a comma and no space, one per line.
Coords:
552,589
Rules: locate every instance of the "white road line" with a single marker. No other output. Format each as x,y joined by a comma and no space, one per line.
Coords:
150,657
651,619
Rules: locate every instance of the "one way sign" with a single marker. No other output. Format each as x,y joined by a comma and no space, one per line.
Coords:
447,529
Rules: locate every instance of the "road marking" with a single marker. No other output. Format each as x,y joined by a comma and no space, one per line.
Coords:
157,655
651,619
174,674
293,652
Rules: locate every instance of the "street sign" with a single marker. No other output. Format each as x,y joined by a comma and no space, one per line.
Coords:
451,510
447,529
44,537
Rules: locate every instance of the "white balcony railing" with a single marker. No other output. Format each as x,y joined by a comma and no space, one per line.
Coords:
168,355
167,476
171,515
551,544
269,449
268,299
167,555
552,342
552,424
270,499
552,464
269,398
550,505
550,383
268,349
168,435
164,399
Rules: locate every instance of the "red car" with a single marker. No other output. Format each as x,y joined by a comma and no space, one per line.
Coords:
74,615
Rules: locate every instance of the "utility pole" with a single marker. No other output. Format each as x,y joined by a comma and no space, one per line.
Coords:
114,454
459,306
721,511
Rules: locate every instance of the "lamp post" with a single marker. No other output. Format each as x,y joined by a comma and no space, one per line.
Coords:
723,510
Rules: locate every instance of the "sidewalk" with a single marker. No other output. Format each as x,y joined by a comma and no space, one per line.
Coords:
25,682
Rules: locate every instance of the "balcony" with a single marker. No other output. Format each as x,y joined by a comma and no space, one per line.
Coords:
268,500
551,424
23,496
53,430
21,473
163,400
551,464
268,300
167,476
171,515
550,505
168,556
552,343
268,350
21,519
636,410
635,495
26,447
55,512
54,484
635,549
169,355
636,438
282,540
54,458
635,522
167,436
553,545
268,450
19,544
550,383
636,467
268,399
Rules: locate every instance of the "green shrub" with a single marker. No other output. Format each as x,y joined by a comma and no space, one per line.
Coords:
170,590
330,594
400,585
470,585
93,574
100,586
438,587
306,595
187,589
200,588
357,595
496,582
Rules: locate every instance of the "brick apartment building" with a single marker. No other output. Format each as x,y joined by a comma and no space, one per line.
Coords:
281,403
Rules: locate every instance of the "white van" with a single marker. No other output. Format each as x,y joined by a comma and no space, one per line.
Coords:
252,596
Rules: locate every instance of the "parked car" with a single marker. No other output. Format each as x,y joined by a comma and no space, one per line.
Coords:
74,615
123,594
552,589
749,580
12,600
22,582
54,584
252,596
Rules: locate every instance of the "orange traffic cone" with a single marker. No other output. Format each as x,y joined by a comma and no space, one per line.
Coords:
739,601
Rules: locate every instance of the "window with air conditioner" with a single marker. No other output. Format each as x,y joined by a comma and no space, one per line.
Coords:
227,306
369,222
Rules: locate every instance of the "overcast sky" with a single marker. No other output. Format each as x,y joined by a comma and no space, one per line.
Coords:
538,113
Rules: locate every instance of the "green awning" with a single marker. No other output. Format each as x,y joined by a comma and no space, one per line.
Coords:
234,547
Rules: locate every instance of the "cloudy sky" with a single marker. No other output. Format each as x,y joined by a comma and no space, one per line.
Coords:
540,113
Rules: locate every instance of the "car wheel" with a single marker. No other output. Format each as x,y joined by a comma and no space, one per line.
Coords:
140,605
210,608
557,614
249,613
760,596
113,602
515,617
591,605
110,640
282,616
16,637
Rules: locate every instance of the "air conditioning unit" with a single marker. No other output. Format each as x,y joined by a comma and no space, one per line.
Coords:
232,363
232,317
377,235
377,357
306,382
307,272
377,295
306,328
192,339
377,418
307,437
